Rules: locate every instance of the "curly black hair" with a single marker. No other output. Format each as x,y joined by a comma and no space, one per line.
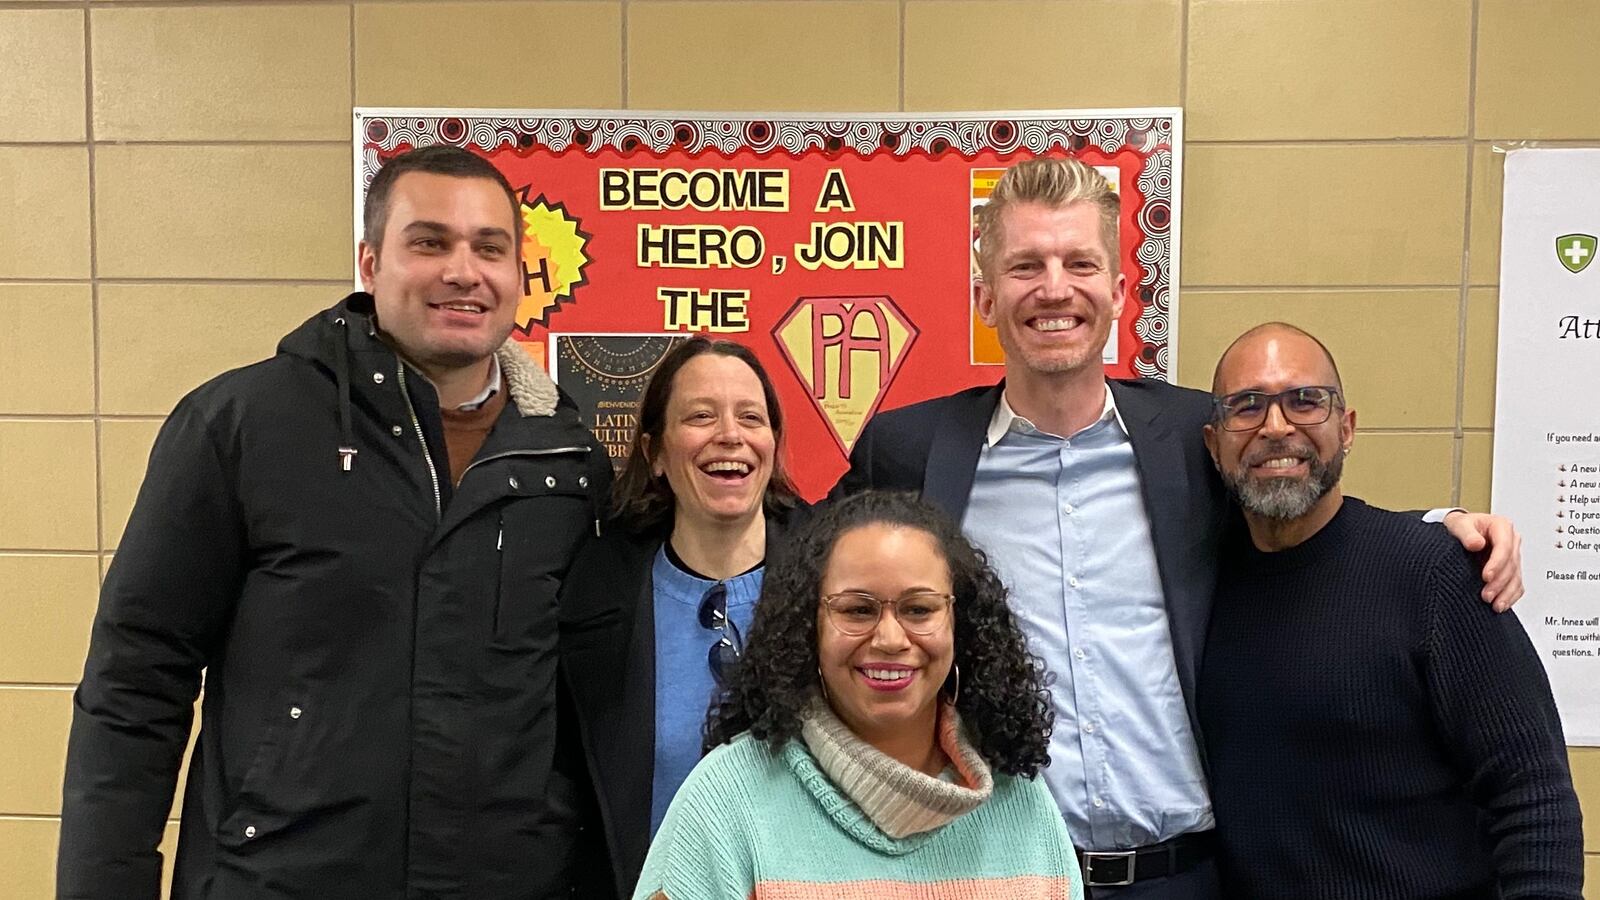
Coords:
1002,698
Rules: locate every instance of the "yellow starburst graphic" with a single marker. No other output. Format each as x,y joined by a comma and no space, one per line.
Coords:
553,259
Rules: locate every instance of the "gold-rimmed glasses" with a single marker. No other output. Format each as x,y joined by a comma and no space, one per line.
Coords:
857,613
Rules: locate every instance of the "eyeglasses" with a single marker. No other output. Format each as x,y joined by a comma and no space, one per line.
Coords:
725,653
857,613
1247,410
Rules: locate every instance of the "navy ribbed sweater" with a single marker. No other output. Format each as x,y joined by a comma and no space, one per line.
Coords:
1374,730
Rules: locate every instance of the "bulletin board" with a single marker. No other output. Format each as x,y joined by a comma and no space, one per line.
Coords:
840,248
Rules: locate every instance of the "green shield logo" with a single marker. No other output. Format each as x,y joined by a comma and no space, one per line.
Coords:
1576,251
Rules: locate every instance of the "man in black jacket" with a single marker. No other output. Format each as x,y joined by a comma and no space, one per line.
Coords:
359,542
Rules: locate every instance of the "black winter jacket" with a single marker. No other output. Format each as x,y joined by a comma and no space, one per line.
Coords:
380,716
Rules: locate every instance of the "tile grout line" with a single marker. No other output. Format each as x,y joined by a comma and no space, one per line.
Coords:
352,58
1183,63
81,417
355,174
1409,140
195,280
1214,288
902,48
94,281
53,817
192,4
1464,298
46,817
1175,301
185,142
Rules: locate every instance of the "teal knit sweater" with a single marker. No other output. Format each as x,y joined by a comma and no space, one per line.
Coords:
753,823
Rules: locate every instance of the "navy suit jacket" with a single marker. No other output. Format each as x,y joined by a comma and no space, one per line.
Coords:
932,448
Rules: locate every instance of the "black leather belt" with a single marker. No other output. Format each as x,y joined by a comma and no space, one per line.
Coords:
1115,868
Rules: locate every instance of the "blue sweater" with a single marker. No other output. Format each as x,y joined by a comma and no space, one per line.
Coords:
684,684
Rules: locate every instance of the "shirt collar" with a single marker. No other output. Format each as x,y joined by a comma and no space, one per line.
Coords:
1005,420
492,388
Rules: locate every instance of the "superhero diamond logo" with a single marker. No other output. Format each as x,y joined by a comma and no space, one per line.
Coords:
846,351
1575,251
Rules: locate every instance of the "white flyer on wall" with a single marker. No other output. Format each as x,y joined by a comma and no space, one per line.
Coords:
1547,415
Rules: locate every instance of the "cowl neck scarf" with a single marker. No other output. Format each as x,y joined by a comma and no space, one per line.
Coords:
898,799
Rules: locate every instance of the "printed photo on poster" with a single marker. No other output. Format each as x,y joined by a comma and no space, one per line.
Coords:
985,348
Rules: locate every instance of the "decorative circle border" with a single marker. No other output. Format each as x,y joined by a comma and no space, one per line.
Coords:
659,135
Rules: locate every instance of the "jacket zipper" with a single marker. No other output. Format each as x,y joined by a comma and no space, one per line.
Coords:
433,474
553,451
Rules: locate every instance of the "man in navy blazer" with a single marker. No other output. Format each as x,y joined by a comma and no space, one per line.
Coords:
1099,505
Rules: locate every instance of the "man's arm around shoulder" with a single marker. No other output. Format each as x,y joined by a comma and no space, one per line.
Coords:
1493,705
165,601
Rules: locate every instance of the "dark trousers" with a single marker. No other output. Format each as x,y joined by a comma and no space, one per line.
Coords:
1199,883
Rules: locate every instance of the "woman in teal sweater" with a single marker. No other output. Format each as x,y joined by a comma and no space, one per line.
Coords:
879,738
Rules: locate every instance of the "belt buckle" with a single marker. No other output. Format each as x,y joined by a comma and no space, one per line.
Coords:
1116,861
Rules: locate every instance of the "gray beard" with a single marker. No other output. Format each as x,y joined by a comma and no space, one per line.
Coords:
1284,499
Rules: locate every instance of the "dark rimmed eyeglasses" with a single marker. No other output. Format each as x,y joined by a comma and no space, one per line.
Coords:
1247,410
725,653
857,613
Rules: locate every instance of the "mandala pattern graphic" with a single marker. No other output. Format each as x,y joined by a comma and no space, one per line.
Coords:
617,363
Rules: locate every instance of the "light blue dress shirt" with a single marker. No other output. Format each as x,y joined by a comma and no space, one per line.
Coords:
1064,523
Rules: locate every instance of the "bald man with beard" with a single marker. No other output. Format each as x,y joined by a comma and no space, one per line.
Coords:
1372,729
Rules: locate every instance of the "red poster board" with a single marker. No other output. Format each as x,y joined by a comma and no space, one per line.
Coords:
839,249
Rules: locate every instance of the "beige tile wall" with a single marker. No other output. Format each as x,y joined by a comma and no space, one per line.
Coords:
175,191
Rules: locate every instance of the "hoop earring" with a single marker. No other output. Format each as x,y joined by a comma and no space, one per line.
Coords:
823,685
955,672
